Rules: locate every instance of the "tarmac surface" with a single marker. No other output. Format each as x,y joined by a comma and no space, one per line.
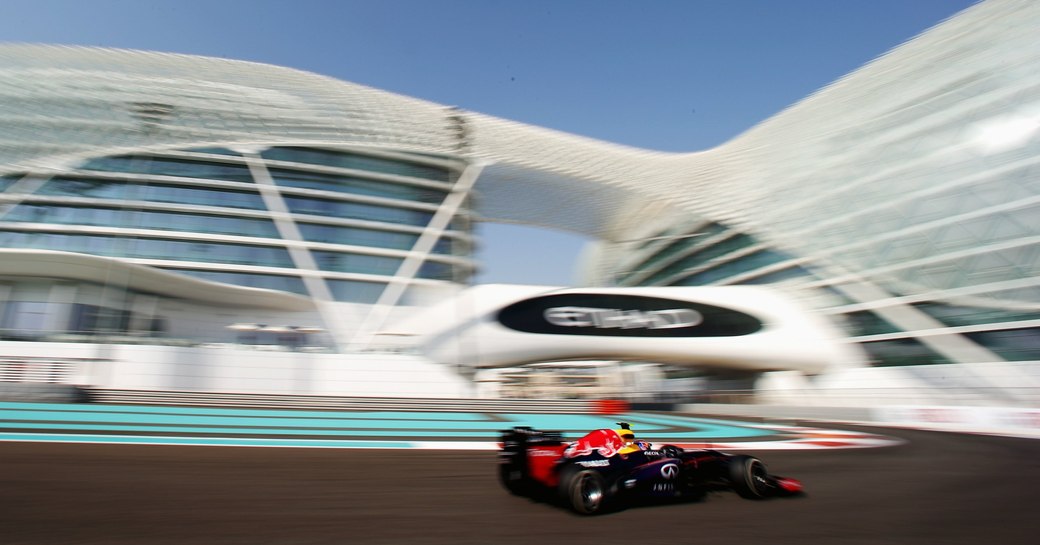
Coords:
933,488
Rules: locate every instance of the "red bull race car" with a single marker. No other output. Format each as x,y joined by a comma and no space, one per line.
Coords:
608,467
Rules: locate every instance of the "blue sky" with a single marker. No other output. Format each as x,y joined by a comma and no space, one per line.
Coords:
680,75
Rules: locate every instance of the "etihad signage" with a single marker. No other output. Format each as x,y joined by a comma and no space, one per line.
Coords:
606,318
615,315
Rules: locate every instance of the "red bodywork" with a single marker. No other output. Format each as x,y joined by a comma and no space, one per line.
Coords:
606,442
791,486
532,457
542,460
541,463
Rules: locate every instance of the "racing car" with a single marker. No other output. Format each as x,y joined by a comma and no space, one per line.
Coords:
608,466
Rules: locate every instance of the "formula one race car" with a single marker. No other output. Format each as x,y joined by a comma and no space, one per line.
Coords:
607,467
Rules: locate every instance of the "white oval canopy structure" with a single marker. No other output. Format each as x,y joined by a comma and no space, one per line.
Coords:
739,327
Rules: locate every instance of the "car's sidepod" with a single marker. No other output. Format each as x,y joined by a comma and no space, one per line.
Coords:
658,478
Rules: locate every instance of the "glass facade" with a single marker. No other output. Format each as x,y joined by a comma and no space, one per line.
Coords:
356,186
141,219
1011,344
355,291
119,190
370,237
899,202
253,219
957,242
946,241
149,248
353,161
165,166
358,211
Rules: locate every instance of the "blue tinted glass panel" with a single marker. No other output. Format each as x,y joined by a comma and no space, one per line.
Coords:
357,237
953,316
357,263
88,187
357,162
703,278
24,318
164,166
145,248
216,151
119,190
681,244
436,271
901,352
352,210
703,256
85,318
863,323
445,246
355,186
1011,344
143,219
750,262
723,247
779,276
356,292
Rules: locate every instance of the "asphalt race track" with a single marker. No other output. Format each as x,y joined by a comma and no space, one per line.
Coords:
935,488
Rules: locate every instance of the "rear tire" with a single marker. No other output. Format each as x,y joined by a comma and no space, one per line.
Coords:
584,490
749,477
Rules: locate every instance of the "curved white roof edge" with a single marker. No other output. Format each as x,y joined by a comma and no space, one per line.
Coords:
223,100
98,269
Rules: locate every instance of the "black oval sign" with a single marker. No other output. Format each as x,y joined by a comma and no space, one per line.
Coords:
613,315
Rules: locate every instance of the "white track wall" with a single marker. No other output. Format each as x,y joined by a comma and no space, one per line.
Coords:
139,367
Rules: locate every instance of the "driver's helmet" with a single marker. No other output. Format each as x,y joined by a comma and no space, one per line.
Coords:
629,438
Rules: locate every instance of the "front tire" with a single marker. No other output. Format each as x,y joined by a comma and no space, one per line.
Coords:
749,477
584,490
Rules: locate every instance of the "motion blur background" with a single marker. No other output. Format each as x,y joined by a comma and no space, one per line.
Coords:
268,198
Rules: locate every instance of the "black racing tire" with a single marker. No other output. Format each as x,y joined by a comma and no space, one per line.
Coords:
584,490
749,477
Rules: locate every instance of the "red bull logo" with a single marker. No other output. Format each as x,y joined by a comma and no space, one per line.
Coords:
605,442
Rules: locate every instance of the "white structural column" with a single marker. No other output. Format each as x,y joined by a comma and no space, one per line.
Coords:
422,248
302,258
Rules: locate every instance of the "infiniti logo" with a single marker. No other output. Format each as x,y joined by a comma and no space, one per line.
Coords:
669,471
612,318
